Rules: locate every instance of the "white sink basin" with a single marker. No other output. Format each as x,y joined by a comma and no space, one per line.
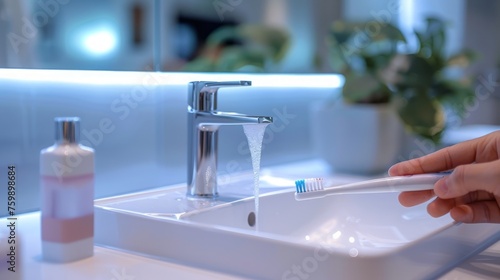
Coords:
338,237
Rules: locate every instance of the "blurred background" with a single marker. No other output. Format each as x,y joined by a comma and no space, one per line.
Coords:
273,36
145,35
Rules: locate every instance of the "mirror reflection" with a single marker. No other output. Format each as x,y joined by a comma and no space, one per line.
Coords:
290,36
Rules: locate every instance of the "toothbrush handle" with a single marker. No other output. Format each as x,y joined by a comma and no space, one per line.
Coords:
389,184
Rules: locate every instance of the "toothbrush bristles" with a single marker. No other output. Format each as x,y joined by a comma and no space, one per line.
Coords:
309,185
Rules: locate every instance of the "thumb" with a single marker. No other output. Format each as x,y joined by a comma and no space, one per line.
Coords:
469,178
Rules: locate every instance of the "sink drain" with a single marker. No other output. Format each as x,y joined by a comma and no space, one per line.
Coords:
251,219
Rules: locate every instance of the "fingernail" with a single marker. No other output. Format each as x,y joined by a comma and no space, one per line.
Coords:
389,171
392,170
441,187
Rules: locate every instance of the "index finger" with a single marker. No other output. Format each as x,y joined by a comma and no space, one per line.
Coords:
441,160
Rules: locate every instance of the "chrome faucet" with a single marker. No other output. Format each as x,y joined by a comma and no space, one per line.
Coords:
203,124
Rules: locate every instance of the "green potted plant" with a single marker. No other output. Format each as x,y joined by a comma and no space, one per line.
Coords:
388,87
244,48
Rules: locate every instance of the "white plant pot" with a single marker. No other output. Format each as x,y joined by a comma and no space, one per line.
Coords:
358,138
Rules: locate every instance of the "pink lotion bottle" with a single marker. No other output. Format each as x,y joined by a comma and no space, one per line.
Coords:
67,191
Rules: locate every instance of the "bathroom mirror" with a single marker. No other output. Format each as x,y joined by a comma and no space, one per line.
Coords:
164,35
144,35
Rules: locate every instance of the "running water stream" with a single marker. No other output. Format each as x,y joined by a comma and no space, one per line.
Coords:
255,135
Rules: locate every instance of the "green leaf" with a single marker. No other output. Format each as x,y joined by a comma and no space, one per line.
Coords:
462,59
342,31
387,32
438,42
422,115
235,58
432,42
275,40
376,62
360,36
434,35
200,64
364,89
224,34
420,74
231,48
423,45
455,94
336,58
434,25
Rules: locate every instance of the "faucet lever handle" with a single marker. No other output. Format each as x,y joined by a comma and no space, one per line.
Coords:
225,84
203,94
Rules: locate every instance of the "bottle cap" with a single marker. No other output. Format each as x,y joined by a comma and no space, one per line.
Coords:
67,129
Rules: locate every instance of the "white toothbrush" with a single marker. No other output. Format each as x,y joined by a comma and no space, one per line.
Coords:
313,187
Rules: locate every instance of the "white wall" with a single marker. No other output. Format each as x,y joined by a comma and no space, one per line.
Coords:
3,32
20,35
482,36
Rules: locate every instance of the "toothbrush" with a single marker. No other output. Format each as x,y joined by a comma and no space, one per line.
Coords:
312,188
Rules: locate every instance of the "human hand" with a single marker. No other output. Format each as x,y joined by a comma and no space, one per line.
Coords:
471,193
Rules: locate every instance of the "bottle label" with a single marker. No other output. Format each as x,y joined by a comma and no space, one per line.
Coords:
67,197
67,230
67,208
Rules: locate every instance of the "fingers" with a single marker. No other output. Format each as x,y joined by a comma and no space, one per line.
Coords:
440,207
471,193
409,199
441,160
409,167
469,178
476,207
479,212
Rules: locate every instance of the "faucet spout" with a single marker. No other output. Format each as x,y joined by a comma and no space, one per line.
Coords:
203,123
226,118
